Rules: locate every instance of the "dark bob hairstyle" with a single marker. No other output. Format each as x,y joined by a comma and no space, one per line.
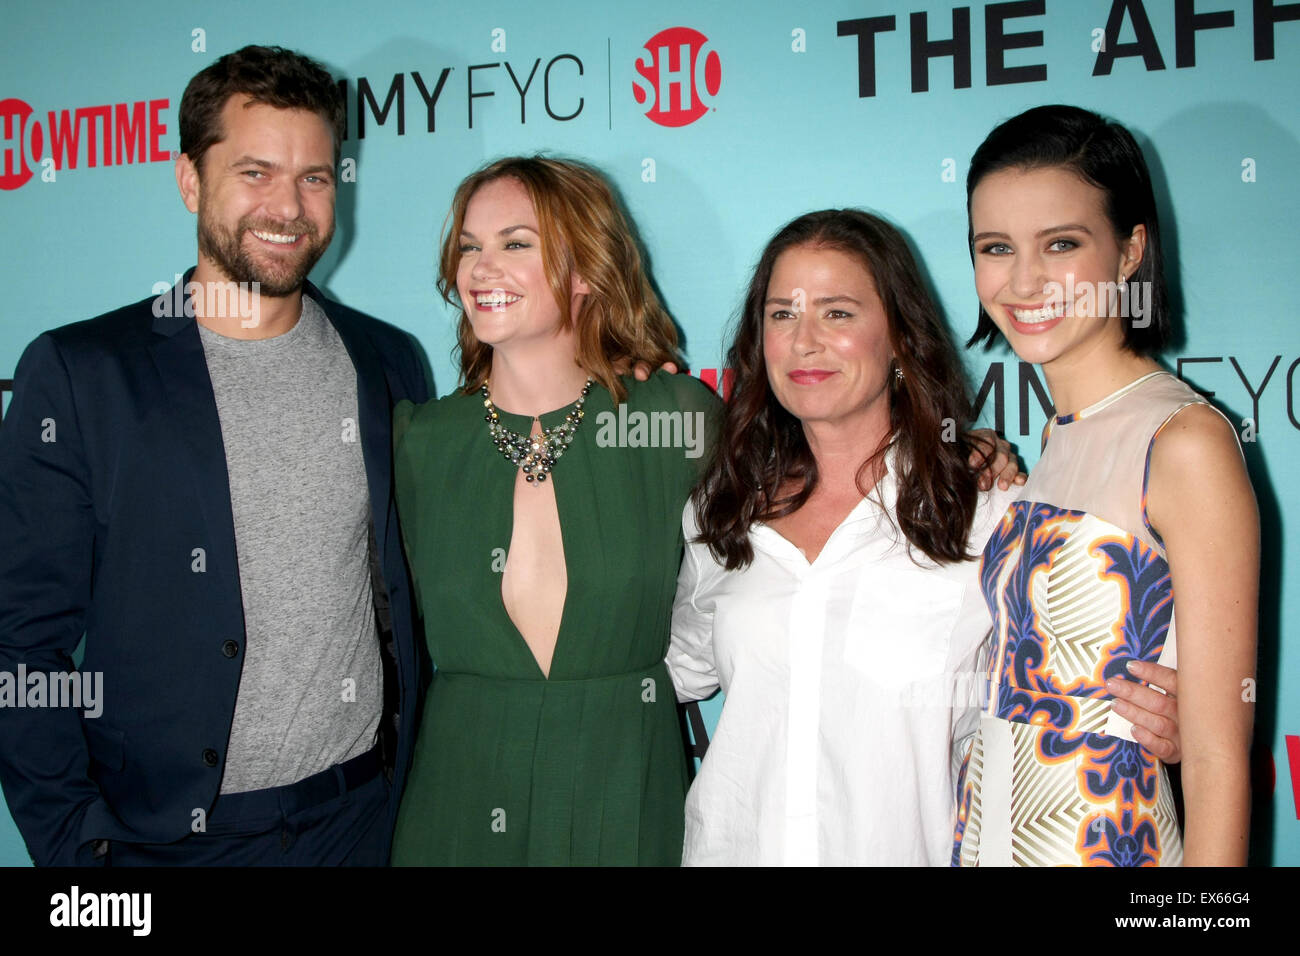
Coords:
1103,154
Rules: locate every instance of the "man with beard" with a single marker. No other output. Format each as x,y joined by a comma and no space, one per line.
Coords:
204,492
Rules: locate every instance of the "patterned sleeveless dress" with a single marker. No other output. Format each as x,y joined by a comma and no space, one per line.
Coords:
1077,584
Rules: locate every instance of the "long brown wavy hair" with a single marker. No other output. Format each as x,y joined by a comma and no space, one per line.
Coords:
583,231
763,448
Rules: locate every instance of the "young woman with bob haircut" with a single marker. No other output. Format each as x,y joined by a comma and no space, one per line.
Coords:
1140,500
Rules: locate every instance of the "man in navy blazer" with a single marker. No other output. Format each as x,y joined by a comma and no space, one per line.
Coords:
200,483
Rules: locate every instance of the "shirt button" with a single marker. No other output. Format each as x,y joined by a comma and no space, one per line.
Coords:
210,757
230,648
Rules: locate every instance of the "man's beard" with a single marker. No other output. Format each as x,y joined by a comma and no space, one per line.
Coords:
227,251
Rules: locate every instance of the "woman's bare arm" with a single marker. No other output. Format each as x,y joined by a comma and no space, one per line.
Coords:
1201,502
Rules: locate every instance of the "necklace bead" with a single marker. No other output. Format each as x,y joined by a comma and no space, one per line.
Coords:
535,455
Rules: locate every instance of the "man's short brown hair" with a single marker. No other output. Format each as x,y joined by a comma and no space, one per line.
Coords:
266,74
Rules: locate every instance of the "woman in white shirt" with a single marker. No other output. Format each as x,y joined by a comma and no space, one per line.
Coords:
827,587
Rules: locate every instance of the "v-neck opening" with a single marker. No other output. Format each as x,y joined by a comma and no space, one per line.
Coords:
564,607
524,425
849,519
882,496
879,495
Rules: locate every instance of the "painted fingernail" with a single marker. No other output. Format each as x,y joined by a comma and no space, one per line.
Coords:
1130,665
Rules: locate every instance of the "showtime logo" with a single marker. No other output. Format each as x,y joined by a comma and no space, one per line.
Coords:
115,134
679,58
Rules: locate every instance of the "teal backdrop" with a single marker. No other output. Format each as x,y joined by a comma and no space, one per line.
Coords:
718,122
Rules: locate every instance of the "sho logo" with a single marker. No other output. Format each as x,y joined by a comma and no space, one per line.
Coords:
679,58
19,143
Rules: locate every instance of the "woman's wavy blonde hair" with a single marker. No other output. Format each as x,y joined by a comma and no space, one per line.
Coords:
583,231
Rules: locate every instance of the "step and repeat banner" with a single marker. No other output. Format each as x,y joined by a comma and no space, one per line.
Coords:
717,122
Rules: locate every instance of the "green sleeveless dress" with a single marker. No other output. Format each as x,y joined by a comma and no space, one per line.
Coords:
586,767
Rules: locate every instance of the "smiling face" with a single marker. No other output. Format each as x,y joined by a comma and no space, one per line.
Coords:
264,196
501,278
1048,263
826,339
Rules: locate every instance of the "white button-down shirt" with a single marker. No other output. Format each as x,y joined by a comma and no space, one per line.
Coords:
851,692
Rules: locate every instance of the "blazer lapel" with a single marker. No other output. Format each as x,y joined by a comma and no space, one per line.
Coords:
374,409
177,353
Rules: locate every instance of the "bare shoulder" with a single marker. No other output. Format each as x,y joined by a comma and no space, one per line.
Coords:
1196,436
1197,472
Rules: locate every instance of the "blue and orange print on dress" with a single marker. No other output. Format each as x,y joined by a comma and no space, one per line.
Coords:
1074,599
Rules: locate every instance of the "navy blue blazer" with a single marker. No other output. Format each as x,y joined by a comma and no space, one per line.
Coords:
112,471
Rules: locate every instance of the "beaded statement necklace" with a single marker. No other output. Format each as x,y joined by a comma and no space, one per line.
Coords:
535,455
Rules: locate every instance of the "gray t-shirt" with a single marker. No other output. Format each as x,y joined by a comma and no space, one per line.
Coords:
311,692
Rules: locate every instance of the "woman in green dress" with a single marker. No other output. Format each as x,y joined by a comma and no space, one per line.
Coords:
540,506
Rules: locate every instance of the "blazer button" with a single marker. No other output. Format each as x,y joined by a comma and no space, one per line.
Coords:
210,757
230,648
